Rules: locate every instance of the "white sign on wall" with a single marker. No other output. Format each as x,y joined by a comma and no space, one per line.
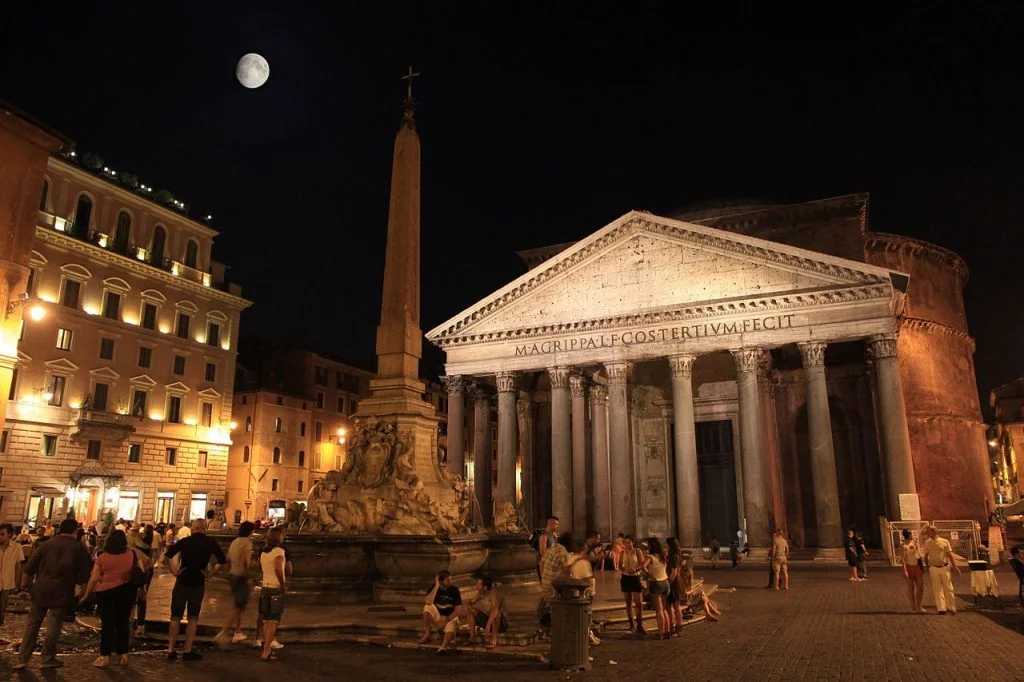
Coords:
910,507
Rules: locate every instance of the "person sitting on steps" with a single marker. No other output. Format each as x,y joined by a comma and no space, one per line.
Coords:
487,612
441,610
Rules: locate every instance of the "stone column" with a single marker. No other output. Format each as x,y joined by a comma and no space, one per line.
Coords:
823,456
561,448
619,457
580,484
456,425
482,454
524,409
755,504
506,439
601,482
892,423
687,481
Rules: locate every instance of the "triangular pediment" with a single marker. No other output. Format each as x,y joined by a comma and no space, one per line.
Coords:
104,373
643,264
177,387
61,365
208,393
143,381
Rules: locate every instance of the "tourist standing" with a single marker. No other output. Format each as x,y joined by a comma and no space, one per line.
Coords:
938,555
862,555
548,539
910,553
142,540
274,644
275,584
11,558
57,567
111,579
579,567
715,549
734,553
780,559
850,547
629,567
674,600
657,583
239,558
196,550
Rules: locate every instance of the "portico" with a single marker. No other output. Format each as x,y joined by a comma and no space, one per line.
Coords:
647,331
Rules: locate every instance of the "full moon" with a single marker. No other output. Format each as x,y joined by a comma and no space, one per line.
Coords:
252,70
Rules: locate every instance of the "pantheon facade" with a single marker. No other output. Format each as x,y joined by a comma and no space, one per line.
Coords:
738,367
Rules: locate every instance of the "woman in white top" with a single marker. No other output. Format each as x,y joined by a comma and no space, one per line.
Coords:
910,554
657,573
275,584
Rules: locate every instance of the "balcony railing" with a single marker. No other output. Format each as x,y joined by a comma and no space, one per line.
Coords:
129,250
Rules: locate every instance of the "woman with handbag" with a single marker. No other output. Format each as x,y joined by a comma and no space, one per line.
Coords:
630,566
913,570
116,576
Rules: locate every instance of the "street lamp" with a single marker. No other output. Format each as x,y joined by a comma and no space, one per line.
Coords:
36,312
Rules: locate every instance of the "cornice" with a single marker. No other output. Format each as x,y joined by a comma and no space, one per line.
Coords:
766,304
932,327
884,241
137,267
762,251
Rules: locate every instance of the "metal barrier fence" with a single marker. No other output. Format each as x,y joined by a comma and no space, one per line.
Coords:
964,536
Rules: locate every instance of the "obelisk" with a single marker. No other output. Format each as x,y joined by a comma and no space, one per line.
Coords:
397,393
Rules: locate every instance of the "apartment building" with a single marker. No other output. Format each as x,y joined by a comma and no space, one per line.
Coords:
121,395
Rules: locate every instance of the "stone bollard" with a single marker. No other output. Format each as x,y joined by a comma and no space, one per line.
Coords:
570,626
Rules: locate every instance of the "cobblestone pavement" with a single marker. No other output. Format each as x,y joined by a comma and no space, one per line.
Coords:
825,628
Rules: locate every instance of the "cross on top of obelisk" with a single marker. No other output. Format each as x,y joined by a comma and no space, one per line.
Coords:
409,104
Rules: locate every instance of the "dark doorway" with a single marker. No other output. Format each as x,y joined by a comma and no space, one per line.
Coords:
716,467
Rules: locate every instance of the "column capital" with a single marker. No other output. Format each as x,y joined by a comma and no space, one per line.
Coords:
577,385
598,394
453,383
681,365
506,382
618,372
882,346
813,353
748,359
559,377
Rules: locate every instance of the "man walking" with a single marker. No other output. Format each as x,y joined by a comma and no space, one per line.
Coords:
715,548
11,556
57,566
938,555
190,586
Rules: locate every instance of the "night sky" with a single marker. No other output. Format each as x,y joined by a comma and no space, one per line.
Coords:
539,125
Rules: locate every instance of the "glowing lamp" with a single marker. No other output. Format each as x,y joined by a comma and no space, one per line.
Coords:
91,310
48,396
156,416
233,425
37,312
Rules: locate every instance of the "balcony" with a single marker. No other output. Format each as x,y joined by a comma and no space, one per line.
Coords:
102,425
129,250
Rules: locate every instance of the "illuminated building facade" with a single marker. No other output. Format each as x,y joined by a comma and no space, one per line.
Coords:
122,389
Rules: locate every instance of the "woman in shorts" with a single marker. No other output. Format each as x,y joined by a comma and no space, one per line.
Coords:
657,572
630,565
910,553
275,584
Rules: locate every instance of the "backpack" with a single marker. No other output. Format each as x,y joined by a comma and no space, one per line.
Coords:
535,537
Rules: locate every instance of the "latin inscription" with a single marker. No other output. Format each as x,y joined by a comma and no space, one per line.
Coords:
658,334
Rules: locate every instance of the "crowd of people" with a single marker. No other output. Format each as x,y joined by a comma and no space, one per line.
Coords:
69,567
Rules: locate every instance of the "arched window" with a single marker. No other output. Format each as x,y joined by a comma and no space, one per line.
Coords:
83,216
192,254
277,455
245,454
302,458
277,425
122,232
44,195
302,429
156,251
